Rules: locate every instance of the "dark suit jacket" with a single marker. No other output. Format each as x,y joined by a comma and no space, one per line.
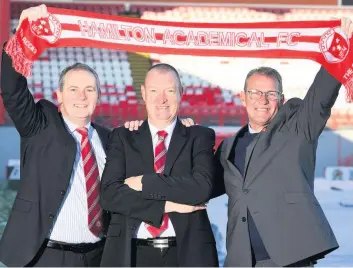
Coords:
47,156
278,185
188,179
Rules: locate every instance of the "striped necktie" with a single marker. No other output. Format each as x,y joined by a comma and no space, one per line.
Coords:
92,184
160,156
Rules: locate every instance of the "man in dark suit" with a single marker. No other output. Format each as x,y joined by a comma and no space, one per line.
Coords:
56,219
267,171
158,218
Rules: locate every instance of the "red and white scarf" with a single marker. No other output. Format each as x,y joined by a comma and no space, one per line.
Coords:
320,41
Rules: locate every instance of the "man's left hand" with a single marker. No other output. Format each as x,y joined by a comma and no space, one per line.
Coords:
134,183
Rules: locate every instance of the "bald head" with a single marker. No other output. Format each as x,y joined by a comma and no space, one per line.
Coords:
166,68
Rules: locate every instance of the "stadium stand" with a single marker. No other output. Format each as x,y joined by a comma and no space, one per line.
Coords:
212,85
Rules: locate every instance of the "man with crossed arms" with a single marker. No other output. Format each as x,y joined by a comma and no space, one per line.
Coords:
177,164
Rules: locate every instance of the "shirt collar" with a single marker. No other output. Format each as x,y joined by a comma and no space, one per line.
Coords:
169,129
252,131
71,127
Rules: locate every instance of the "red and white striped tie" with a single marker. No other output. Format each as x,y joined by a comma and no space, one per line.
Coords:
91,172
160,156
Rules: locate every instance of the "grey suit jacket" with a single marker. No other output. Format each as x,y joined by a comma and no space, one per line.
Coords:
278,182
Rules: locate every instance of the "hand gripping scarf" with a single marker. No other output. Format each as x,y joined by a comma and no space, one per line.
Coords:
320,41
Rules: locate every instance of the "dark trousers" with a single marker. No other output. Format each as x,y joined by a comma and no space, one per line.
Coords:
49,257
147,256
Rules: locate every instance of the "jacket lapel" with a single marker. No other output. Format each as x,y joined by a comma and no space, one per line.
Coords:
65,137
177,142
265,151
249,153
230,164
143,140
69,146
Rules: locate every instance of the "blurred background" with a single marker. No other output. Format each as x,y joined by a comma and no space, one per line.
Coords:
212,87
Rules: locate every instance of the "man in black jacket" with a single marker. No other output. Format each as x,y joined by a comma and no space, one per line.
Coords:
56,219
148,226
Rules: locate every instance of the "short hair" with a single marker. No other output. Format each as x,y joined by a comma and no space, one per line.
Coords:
165,67
78,67
269,72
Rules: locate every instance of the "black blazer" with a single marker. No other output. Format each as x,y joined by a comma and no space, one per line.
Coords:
188,179
47,156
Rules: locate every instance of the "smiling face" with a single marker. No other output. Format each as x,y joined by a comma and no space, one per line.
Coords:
263,110
78,96
162,95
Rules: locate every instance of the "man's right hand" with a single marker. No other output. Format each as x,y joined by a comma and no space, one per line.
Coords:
181,208
33,14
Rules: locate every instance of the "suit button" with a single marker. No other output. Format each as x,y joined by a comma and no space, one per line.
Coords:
51,216
246,191
243,219
63,192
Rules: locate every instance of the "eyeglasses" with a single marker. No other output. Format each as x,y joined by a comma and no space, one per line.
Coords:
257,94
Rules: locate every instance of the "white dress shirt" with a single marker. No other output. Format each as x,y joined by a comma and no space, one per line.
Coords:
142,232
71,222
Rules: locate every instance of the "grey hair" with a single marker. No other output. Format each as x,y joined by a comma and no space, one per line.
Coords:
164,67
79,67
269,72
